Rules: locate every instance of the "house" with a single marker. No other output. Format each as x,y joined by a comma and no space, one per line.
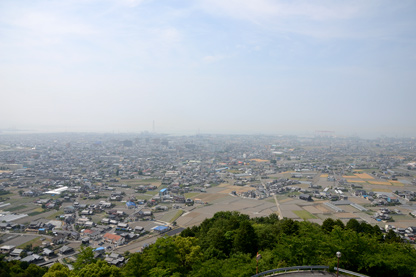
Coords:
65,250
69,210
113,238
92,234
47,252
4,225
105,205
161,229
85,240
122,225
115,259
82,220
6,249
59,239
163,192
411,230
131,205
32,258
138,229
16,252
305,197
87,212
98,251
34,226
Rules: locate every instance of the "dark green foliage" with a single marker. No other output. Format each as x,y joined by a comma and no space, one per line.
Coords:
84,258
229,241
354,225
20,269
328,225
289,226
245,239
99,269
392,237
226,245
58,270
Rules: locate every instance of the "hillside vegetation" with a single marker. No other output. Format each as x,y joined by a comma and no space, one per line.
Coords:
227,244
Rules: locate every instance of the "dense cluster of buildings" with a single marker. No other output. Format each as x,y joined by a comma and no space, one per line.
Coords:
102,186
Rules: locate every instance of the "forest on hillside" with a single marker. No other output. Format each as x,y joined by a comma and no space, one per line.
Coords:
227,245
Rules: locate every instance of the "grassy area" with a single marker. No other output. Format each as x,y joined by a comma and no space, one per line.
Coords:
21,200
144,196
34,242
271,200
36,212
132,183
54,215
280,197
12,209
400,217
300,179
142,181
305,215
191,194
177,215
152,192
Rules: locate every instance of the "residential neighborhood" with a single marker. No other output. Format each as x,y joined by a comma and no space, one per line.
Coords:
118,193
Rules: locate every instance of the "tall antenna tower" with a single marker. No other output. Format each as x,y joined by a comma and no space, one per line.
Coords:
153,126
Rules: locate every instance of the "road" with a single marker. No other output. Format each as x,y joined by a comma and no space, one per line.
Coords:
137,245
278,207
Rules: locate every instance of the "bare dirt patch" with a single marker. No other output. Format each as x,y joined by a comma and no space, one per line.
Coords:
312,209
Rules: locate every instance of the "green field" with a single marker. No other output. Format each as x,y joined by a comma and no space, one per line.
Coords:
144,196
177,215
191,194
54,215
152,192
36,212
305,215
34,242
12,209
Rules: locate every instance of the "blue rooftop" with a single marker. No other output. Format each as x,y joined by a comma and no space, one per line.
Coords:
163,190
161,228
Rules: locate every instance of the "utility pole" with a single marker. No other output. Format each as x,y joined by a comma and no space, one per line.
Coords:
258,257
338,256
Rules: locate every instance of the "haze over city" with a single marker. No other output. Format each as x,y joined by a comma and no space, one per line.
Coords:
272,67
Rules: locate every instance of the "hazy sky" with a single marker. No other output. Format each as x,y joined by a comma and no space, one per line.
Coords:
218,66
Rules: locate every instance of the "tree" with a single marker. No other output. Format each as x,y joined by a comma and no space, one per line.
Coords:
188,252
58,270
245,239
339,223
85,257
35,271
392,237
99,269
28,247
135,266
162,254
267,234
288,226
127,254
354,225
216,239
328,225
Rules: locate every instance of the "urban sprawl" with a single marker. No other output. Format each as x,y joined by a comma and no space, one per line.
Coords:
118,193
